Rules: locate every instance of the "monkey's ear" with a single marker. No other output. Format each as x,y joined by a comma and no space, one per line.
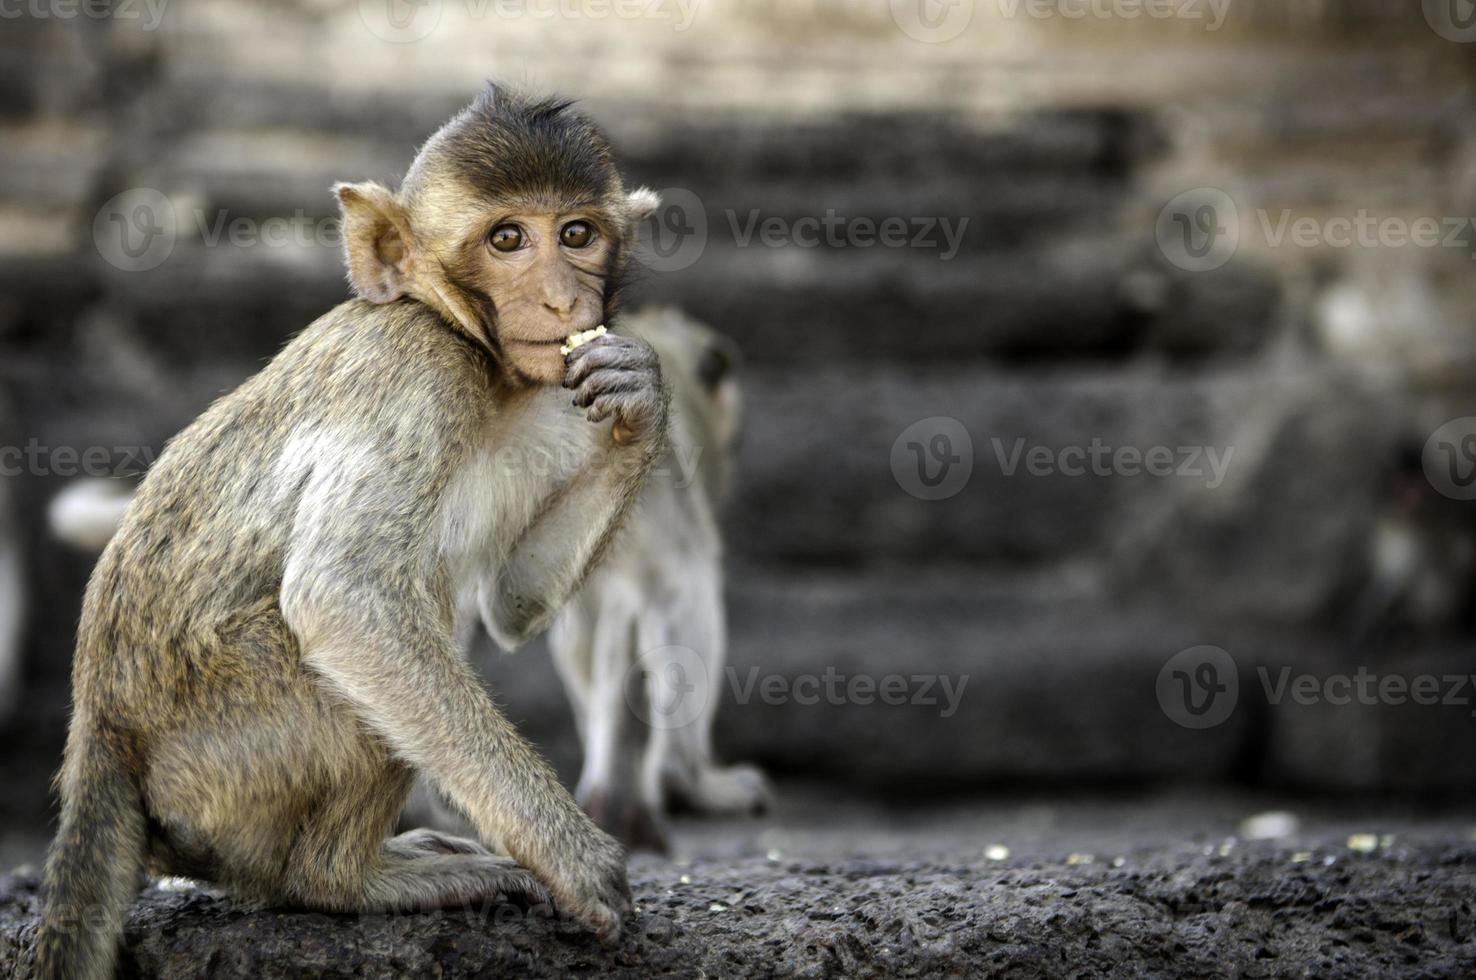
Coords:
640,204
376,241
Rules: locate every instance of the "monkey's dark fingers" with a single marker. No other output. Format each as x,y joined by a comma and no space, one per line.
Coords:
635,409
608,351
607,382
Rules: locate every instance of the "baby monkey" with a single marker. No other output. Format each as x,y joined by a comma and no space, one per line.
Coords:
641,647
267,653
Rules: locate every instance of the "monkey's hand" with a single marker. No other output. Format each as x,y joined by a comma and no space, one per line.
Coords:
620,377
590,883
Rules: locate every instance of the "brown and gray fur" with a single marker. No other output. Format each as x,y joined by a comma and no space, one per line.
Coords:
266,655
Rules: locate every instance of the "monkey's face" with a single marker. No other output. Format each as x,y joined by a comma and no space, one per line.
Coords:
544,274
511,224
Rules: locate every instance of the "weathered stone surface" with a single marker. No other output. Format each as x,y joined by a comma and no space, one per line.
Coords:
1175,912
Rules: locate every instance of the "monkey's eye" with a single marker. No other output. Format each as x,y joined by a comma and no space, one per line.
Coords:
577,234
506,238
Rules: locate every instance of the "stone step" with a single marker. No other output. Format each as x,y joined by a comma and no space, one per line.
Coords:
1031,680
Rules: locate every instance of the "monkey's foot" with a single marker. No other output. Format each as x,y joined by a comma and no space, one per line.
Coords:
627,818
423,841
719,791
431,881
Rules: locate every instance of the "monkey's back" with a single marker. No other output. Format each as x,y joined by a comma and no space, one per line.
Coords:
182,610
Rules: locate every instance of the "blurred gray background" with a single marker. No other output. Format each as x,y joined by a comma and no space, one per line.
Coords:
1126,274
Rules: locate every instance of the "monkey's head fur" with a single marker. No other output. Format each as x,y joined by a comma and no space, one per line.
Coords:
512,223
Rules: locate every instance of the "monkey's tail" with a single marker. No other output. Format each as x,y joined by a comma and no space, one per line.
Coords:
92,874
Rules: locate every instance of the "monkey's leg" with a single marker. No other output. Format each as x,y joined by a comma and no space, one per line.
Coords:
298,814
341,862
679,769
615,730
424,840
571,641
410,882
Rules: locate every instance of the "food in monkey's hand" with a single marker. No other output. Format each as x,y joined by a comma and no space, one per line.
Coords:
577,340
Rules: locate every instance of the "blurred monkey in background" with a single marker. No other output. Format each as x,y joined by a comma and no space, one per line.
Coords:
12,603
641,647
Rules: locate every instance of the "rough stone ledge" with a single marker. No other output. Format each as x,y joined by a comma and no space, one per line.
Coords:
1257,911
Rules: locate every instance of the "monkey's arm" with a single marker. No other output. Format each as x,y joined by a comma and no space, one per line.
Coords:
374,625
612,376
553,557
